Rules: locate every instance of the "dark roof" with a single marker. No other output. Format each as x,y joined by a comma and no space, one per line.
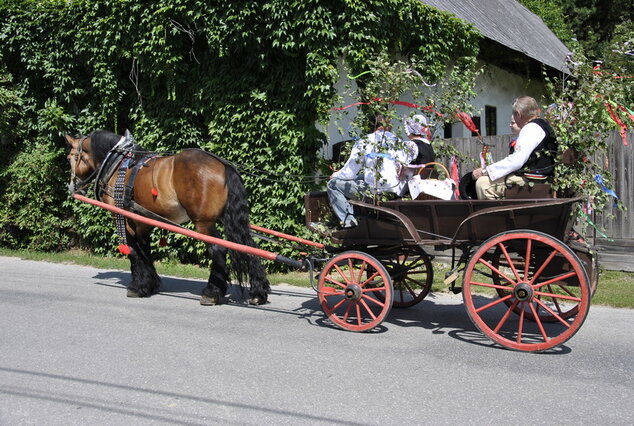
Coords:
512,25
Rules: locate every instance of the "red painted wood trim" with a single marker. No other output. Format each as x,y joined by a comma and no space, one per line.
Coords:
193,234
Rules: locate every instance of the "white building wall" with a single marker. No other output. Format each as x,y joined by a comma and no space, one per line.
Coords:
499,88
339,124
494,87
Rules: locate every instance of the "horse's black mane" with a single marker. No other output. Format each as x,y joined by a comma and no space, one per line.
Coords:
102,141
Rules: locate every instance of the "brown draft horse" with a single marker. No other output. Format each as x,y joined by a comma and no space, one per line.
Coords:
192,185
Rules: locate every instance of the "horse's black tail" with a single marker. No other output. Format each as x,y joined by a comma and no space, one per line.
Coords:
235,220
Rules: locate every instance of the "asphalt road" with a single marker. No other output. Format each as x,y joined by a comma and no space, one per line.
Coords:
75,351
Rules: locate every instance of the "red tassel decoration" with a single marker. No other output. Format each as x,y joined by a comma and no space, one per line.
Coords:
162,241
154,192
124,249
468,122
617,120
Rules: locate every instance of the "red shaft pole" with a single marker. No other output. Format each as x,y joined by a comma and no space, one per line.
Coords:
286,236
193,234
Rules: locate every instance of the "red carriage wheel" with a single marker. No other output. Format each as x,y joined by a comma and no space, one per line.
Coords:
524,305
412,277
509,261
349,296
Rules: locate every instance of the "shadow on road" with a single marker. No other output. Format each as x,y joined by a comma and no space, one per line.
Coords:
170,286
441,318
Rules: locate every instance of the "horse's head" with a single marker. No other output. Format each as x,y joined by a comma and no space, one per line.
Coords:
82,163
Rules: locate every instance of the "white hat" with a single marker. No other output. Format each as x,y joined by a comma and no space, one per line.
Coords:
415,125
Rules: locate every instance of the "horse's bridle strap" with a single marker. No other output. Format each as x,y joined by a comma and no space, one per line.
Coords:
79,184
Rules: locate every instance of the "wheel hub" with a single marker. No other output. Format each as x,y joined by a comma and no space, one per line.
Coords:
523,292
353,292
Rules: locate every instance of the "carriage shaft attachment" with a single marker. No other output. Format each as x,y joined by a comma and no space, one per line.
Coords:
298,264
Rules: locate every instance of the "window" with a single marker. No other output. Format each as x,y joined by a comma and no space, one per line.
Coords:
491,121
476,121
447,130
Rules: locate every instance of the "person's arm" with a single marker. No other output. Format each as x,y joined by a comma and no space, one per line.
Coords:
530,136
354,164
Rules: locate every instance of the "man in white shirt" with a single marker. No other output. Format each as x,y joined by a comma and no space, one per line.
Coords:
373,164
532,155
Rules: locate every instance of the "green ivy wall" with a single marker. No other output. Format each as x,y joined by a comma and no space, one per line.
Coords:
247,80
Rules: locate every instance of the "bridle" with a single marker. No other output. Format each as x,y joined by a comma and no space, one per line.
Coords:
76,184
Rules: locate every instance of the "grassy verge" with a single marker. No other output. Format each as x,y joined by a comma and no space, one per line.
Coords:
616,289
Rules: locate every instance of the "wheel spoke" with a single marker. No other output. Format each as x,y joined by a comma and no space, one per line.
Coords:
527,258
373,289
500,287
554,279
510,261
414,281
494,303
505,317
565,288
555,301
367,308
361,271
550,311
372,299
364,283
497,271
558,296
544,265
347,313
341,302
418,263
409,289
520,326
331,280
342,274
539,323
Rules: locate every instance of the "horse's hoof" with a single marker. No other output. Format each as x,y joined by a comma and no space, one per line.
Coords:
132,293
208,301
257,301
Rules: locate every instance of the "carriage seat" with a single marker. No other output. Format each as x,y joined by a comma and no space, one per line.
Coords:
541,189
533,190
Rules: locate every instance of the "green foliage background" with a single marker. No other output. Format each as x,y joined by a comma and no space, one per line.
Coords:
246,80
592,27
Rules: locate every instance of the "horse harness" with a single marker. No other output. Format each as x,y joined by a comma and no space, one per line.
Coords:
119,160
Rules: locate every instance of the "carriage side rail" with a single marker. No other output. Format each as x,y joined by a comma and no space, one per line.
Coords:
298,264
403,219
516,207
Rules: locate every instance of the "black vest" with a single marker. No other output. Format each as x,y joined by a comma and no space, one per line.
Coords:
425,152
542,159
